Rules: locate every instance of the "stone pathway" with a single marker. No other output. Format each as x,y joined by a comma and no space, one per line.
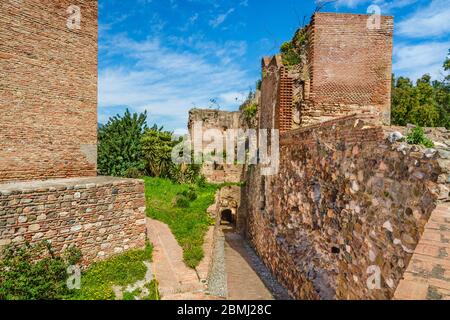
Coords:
428,273
241,270
176,281
247,277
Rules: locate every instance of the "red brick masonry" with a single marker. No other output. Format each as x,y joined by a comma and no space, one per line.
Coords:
48,90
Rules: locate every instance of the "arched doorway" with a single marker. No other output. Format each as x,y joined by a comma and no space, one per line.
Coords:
226,217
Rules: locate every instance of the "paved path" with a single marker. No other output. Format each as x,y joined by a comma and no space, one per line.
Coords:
243,283
179,282
247,276
428,273
176,280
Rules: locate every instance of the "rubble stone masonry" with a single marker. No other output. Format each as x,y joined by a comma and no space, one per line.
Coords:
346,204
48,90
101,216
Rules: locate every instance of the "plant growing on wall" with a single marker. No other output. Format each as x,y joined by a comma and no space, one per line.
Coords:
119,145
417,136
293,51
250,111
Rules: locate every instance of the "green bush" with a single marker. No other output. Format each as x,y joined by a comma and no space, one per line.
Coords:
293,50
133,173
250,111
119,144
157,148
190,194
124,269
35,272
181,201
188,173
417,136
201,181
425,103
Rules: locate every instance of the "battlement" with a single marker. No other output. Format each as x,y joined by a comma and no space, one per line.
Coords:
344,68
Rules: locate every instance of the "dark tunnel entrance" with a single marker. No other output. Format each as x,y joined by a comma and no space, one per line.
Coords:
226,217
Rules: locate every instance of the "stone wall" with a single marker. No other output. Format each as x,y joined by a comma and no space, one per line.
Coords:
346,203
48,89
221,121
101,216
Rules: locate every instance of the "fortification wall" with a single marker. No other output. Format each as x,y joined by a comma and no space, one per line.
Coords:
101,216
48,89
221,121
349,66
346,204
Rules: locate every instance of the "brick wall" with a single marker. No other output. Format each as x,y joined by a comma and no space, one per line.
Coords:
48,89
349,67
345,204
101,216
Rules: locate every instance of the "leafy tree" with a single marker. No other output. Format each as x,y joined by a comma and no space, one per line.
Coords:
157,146
427,103
119,147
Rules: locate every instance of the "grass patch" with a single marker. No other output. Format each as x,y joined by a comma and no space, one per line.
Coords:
98,280
188,223
417,136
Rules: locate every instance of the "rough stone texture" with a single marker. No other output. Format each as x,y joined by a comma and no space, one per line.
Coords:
345,200
218,172
101,216
225,173
48,89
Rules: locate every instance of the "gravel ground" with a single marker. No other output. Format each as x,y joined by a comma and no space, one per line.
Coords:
217,279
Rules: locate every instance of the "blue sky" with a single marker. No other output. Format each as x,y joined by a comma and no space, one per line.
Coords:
168,56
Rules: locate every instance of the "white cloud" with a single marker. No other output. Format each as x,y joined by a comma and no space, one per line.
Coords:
167,80
220,18
385,5
414,61
431,21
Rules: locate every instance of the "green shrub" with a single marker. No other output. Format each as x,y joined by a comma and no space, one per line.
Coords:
192,255
133,173
417,136
157,146
286,47
121,270
250,111
181,201
119,144
35,272
201,181
189,194
189,173
293,50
